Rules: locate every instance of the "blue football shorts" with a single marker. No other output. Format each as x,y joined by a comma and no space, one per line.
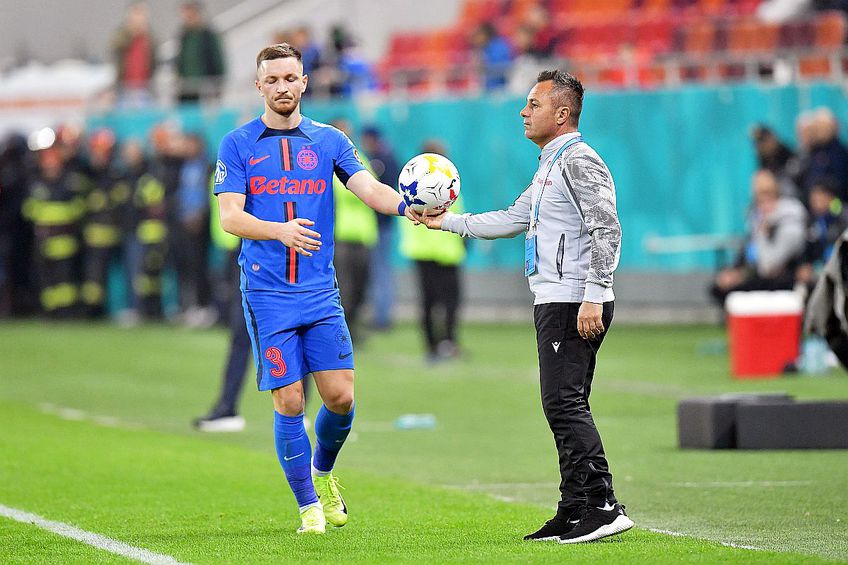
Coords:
296,333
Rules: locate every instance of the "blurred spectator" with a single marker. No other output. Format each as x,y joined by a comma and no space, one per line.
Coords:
538,24
355,236
773,155
56,207
828,161
525,66
382,290
224,414
191,239
69,143
438,256
16,234
797,168
200,61
165,165
106,201
310,51
353,72
774,245
148,234
828,219
134,51
494,56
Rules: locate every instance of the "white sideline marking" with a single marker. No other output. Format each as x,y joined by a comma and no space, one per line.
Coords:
90,538
724,543
80,415
736,484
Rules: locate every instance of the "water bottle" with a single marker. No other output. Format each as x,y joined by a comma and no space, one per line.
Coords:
415,422
814,355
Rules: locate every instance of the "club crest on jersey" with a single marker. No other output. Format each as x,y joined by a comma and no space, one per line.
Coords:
220,172
307,159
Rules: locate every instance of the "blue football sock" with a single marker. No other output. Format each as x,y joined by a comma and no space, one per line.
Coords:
293,451
331,430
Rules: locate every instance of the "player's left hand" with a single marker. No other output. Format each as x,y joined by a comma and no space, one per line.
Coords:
589,323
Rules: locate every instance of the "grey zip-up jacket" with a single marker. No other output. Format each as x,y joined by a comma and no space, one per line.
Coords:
578,235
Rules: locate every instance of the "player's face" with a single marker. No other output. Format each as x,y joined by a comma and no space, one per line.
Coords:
281,83
542,116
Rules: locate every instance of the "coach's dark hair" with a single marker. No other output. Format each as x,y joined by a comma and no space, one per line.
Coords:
279,51
568,89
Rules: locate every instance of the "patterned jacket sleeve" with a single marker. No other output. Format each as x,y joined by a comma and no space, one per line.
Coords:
492,225
593,190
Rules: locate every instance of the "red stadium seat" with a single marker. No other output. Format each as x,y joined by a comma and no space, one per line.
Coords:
752,36
830,30
699,38
814,67
655,34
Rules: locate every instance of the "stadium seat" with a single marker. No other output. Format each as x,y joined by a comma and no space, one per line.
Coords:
830,30
747,35
650,76
796,35
814,66
655,34
699,37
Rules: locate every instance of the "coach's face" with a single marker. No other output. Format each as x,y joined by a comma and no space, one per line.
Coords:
281,83
543,117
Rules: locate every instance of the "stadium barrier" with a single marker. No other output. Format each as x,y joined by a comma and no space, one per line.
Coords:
681,158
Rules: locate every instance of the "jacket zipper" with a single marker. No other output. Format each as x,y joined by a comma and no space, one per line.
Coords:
560,254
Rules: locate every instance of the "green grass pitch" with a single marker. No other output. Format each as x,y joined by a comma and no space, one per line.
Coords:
94,432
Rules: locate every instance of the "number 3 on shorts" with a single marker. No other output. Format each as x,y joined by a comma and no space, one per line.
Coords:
275,356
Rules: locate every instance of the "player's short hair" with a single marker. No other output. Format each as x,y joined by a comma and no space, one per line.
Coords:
279,51
568,89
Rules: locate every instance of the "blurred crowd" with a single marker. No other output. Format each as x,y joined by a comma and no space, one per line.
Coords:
91,228
335,65
797,210
77,205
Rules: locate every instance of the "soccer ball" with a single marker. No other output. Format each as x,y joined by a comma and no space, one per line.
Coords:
429,182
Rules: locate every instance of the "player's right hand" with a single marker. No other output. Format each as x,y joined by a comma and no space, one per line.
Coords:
297,236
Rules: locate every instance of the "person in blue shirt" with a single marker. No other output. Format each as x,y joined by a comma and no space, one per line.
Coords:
274,185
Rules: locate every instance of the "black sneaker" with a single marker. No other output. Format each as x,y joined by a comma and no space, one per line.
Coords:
598,523
557,526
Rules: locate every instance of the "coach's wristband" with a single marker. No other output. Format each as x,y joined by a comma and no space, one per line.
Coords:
402,208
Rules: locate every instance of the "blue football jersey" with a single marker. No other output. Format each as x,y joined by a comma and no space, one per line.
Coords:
286,174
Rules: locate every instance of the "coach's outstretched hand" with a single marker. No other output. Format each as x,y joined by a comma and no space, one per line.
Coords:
295,235
433,222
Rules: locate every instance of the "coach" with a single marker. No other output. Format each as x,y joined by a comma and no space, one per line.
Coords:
572,246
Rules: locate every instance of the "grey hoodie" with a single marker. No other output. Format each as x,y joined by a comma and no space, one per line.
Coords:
578,234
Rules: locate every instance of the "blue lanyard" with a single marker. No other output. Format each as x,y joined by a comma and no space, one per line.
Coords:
562,149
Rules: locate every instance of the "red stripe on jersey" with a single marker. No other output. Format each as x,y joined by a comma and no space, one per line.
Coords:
292,262
285,154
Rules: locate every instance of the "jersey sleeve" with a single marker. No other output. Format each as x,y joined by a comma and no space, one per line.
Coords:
229,170
346,162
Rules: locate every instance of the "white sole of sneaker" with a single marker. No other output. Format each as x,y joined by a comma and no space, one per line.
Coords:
620,524
552,538
222,425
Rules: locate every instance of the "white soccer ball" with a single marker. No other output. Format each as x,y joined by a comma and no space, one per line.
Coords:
429,182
